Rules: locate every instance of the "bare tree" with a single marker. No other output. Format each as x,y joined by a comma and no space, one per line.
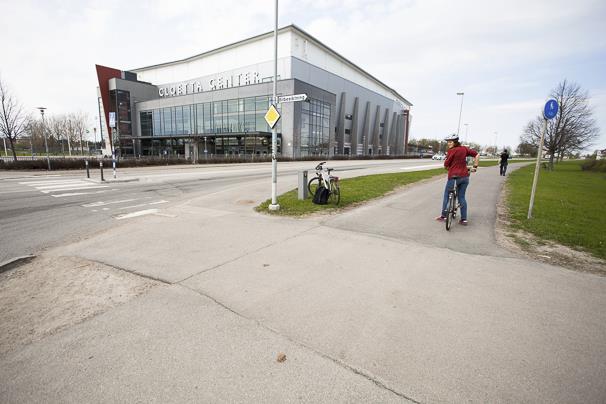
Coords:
573,128
13,119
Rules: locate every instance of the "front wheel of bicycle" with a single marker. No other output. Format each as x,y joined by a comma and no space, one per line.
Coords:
313,185
451,210
335,193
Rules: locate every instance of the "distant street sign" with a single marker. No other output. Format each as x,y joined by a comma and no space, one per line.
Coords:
272,116
292,98
551,109
112,119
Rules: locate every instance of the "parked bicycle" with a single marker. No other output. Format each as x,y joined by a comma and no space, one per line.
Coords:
330,182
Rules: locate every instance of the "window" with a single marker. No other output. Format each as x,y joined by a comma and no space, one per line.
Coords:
146,123
167,118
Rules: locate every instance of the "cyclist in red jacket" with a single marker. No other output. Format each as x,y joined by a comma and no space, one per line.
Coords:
456,164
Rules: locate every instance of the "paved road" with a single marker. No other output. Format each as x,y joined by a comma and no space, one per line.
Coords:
39,210
376,304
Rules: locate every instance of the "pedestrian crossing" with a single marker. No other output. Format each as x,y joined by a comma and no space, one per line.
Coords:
58,188
118,208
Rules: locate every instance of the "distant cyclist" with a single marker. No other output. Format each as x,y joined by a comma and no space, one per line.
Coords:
456,164
503,162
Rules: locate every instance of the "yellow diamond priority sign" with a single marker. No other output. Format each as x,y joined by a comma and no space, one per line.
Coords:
272,116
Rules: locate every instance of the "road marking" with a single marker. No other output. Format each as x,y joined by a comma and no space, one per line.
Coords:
95,204
137,214
81,193
425,166
142,204
73,189
34,183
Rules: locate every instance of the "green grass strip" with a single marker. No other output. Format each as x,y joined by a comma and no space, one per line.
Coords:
568,206
353,191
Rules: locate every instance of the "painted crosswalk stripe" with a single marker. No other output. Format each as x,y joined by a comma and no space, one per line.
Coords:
137,214
81,193
143,204
102,203
73,189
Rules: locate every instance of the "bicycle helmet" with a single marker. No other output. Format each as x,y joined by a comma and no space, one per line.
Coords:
454,137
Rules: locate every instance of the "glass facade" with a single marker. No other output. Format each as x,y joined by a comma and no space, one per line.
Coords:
227,116
315,128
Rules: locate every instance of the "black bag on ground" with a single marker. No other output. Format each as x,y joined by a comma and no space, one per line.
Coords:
321,196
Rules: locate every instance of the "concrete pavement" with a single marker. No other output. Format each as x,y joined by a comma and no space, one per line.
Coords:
376,304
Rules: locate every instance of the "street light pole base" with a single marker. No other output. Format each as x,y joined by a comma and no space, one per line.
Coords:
274,207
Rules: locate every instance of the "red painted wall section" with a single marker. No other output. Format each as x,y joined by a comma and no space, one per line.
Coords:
103,75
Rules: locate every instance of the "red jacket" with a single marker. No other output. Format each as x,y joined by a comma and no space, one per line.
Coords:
456,161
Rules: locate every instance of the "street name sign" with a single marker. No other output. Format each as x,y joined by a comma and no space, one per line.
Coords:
272,116
292,98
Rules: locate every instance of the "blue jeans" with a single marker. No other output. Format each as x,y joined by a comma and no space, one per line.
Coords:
462,184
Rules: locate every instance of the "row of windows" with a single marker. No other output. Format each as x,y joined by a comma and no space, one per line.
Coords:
227,116
315,128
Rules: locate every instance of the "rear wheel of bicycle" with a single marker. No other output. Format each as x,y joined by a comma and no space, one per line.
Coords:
313,185
335,193
451,210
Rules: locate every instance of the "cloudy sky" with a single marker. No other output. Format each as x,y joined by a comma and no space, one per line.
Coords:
505,55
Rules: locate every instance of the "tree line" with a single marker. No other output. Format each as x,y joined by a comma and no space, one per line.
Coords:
65,133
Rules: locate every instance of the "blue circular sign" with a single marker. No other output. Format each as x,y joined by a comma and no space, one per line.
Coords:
551,109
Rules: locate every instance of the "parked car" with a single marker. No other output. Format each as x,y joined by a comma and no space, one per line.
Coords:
438,156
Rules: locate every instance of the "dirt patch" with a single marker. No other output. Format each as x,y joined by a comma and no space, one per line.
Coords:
538,249
47,295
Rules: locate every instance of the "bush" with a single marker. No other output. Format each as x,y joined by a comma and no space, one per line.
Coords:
592,164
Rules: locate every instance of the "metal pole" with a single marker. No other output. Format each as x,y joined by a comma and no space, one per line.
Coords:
466,128
460,112
114,165
274,135
5,151
536,170
45,141
95,133
87,171
101,169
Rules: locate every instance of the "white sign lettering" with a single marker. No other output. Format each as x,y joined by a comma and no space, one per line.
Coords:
215,83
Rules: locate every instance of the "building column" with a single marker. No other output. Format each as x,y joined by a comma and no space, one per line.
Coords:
353,151
340,133
392,135
375,131
384,140
365,130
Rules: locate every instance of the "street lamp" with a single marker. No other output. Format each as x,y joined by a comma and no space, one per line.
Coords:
466,128
95,134
460,112
44,132
205,150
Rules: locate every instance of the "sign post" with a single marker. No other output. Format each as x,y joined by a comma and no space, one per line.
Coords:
549,112
274,136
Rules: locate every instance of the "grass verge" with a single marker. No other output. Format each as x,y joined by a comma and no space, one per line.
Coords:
567,208
353,191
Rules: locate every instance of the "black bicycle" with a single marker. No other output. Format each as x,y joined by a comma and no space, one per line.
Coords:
330,182
453,204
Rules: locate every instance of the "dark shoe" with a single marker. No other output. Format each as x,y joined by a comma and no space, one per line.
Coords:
463,222
441,218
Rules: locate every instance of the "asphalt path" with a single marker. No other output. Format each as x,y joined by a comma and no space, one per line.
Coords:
42,210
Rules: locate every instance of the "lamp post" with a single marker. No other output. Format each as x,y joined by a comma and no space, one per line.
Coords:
205,150
460,111
44,132
466,128
95,135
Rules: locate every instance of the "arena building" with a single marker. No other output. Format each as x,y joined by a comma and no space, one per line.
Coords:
214,103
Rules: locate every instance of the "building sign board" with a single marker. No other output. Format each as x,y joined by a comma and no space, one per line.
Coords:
112,119
216,82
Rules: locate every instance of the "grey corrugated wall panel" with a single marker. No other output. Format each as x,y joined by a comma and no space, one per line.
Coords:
385,139
375,131
365,129
354,130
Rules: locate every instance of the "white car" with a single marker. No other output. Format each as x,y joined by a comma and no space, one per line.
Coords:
438,157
